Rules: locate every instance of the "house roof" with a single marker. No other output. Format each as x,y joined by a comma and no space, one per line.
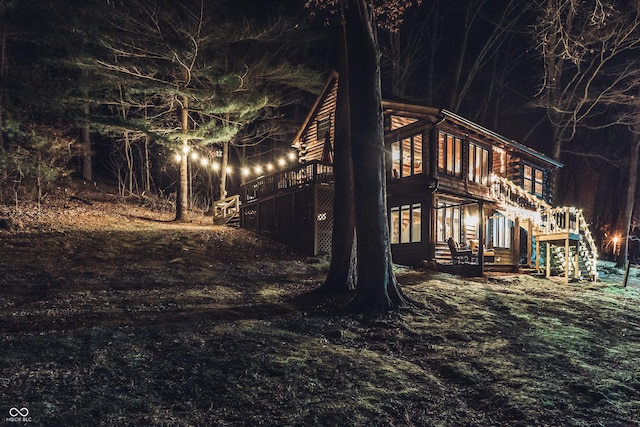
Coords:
433,114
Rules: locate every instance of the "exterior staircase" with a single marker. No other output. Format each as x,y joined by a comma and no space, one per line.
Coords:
549,225
227,211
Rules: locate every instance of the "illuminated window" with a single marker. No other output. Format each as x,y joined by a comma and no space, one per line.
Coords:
449,154
406,157
527,183
406,224
533,180
478,164
538,182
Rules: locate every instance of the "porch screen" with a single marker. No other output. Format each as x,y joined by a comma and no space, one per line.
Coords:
406,224
449,222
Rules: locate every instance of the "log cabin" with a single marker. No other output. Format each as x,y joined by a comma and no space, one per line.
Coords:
460,197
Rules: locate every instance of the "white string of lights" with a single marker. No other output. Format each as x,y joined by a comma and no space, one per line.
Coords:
205,161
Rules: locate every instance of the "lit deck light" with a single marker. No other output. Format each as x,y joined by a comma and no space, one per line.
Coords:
204,161
177,157
282,162
258,170
194,156
245,171
215,166
292,156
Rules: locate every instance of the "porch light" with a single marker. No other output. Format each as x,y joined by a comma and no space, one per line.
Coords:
258,169
282,162
215,166
204,161
229,170
245,171
269,167
292,156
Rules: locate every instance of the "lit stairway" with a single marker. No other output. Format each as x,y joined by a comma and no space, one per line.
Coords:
546,223
227,211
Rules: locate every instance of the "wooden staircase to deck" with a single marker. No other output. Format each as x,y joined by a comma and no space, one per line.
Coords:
227,211
561,229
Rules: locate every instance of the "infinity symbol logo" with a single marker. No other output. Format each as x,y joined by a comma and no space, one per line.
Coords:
14,412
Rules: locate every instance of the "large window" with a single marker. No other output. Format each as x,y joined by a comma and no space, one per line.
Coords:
478,164
533,180
406,156
448,222
406,224
500,231
449,154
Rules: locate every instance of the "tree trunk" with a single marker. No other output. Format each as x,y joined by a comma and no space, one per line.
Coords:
87,157
377,289
630,201
182,207
3,73
342,271
223,170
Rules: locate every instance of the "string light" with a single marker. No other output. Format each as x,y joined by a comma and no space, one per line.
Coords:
205,161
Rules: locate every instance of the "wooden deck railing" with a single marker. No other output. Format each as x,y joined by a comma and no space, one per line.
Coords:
547,220
303,175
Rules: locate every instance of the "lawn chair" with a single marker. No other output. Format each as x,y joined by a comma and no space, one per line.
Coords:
458,256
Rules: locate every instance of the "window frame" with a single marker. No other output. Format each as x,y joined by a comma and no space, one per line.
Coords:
450,154
401,232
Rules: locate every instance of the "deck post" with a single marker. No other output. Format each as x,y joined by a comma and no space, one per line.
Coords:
566,255
548,259
481,237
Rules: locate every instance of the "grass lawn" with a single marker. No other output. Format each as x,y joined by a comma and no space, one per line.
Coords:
113,315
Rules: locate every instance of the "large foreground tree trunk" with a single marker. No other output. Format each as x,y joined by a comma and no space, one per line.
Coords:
377,289
342,271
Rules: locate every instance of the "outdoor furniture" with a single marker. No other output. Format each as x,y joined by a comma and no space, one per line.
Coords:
458,255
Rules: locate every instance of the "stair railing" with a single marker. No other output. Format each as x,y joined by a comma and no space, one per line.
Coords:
226,208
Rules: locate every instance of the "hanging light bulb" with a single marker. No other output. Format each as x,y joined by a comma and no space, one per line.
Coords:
215,166
204,161
177,157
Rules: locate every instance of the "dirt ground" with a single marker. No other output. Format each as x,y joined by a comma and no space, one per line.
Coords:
111,314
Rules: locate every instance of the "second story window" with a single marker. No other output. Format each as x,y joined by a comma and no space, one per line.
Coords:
406,156
478,164
533,180
449,154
